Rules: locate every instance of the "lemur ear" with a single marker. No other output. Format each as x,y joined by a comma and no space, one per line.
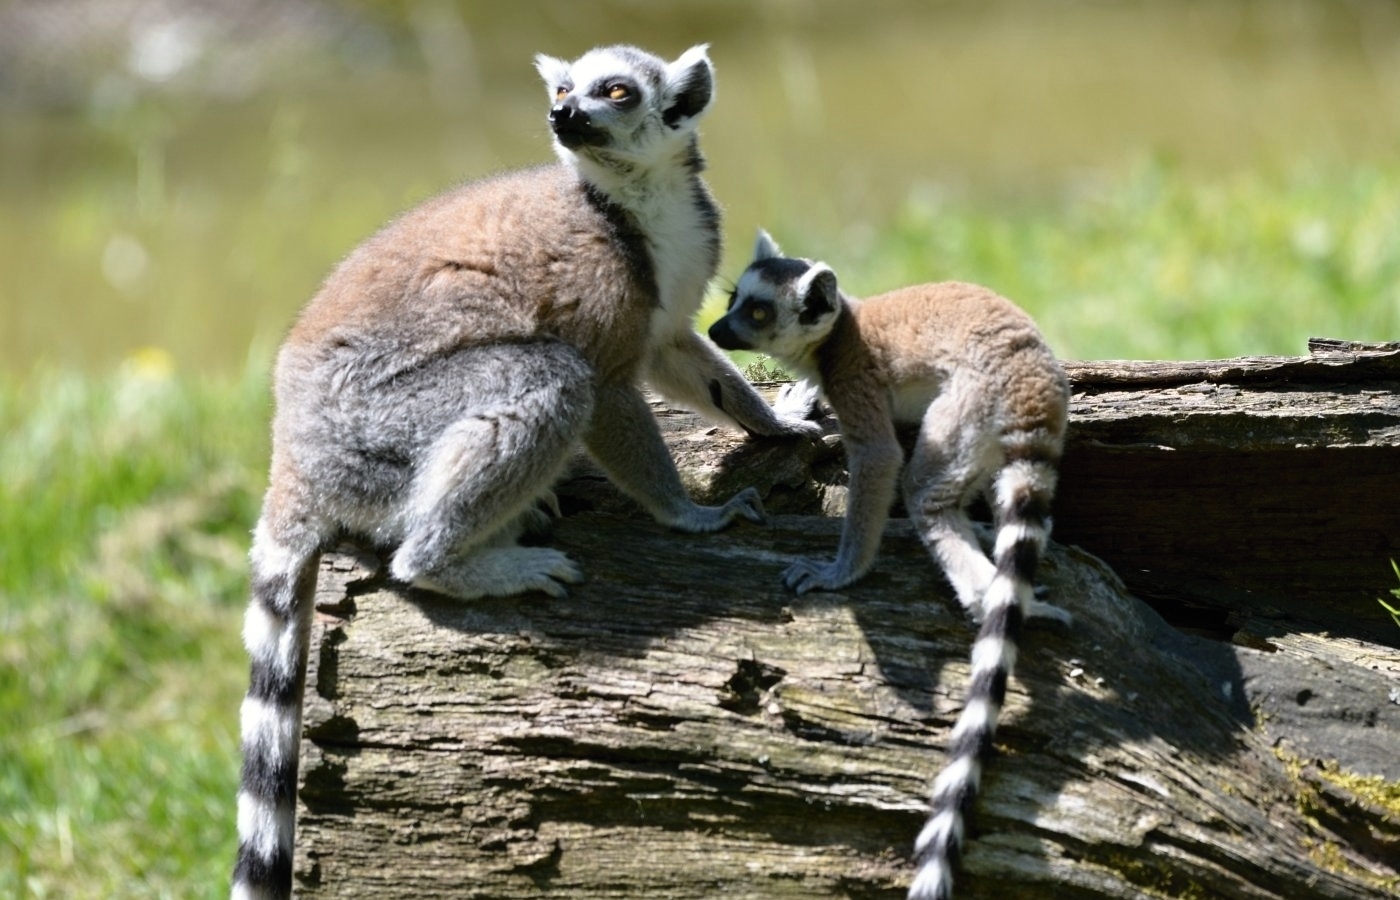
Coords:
817,289
554,71
690,86
765,247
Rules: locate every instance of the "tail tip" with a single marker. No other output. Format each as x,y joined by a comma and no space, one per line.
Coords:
933,881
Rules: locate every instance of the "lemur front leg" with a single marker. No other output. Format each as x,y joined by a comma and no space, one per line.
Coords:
624,439
874,469
693,372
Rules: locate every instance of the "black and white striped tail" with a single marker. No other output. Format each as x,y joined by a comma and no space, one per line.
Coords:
276,633
1024,489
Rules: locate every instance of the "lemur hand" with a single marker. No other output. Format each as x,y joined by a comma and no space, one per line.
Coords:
811,575
700,519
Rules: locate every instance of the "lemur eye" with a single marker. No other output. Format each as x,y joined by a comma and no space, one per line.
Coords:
560,93
759,312
619,92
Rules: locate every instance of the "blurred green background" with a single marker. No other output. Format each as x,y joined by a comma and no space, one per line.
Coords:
181,175
1150,179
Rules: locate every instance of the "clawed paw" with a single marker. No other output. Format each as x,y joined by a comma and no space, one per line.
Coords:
548,571
812,575
748,504
1035,609
1040,611
702,519
502,572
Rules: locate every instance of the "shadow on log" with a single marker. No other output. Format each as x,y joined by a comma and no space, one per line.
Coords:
681,727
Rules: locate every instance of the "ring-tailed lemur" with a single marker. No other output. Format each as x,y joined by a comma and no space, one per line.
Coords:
441,378
990,399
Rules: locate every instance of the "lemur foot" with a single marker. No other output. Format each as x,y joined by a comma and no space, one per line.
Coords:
814,575
502,572
701,519
1038,610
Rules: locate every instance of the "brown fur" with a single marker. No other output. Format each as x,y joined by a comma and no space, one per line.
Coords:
515,257
919,334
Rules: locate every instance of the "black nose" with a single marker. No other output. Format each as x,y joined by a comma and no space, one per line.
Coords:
722,333
566,114
572,126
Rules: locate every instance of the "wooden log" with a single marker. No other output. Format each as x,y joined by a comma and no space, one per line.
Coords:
679,726
1261,491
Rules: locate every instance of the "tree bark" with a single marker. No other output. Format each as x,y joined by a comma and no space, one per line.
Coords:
1259,493
679,726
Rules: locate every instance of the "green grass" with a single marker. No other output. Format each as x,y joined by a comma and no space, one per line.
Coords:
127,498
1394,592
123,519
1150,262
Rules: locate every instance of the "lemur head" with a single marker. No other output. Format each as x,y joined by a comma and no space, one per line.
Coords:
782,306
624,110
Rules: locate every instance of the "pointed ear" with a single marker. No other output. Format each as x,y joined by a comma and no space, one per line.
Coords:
690,86
765,247
554,71
817,288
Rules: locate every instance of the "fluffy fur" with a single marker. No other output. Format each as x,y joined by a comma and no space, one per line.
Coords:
989,399
430,393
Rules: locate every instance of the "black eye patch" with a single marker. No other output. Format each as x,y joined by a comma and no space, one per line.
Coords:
621,92
759,312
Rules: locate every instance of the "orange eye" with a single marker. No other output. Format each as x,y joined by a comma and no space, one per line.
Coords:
561,93
619,92
758,313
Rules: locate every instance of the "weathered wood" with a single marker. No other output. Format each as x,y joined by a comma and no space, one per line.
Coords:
1328,359
1221,491
1228,490
693,731
681,727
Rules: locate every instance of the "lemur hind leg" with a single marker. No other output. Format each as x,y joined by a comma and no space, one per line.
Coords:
479,479
948,468
1038,608
947,532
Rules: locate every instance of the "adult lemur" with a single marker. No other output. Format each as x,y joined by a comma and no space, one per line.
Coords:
990,400
436,385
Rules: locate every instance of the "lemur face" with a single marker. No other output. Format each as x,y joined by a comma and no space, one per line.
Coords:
782,306
624,102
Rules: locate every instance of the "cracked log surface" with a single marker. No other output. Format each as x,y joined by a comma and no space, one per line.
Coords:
681,727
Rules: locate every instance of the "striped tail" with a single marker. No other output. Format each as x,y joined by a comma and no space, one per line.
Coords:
1024,489
276,632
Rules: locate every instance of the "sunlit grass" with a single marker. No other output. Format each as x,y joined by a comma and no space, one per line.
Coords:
1149,263
123,518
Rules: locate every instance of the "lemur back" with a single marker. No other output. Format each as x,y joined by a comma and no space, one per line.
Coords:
430,393
973,372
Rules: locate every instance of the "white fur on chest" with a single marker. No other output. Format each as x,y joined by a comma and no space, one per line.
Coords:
661,198
679,241
682,258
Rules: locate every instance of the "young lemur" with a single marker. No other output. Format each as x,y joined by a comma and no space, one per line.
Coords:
971,370
433,389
